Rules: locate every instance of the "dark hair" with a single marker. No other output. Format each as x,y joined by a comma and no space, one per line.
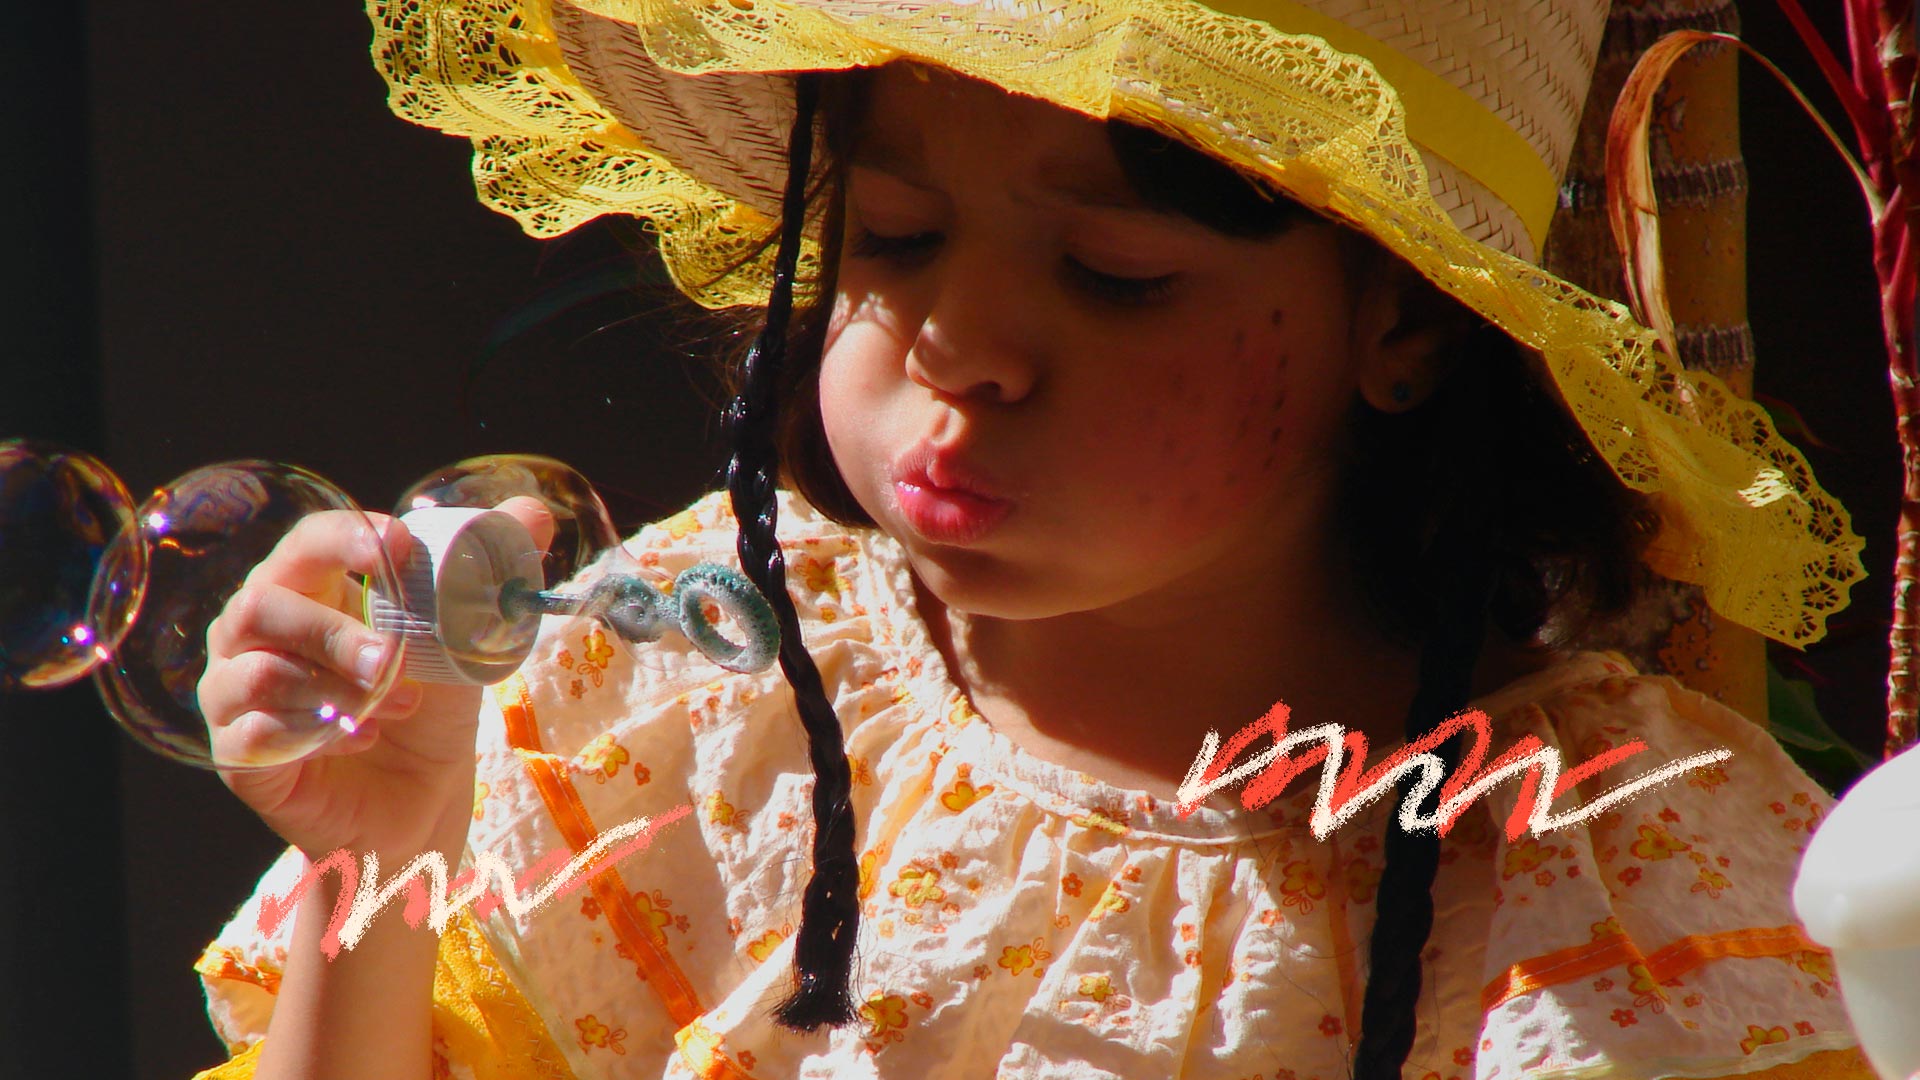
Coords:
1435,557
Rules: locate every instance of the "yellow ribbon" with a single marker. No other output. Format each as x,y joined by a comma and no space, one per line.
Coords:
1441,117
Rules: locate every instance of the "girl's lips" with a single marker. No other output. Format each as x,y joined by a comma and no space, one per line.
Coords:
947,515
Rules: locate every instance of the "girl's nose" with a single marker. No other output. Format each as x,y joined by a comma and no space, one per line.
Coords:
978,341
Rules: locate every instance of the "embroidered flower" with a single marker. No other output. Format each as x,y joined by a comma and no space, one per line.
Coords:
1802,1027
1300,886
1463,1057
921,998
721,812
597,652
1817,964
653,913
822,576
1624,1017
862,770
1758,1037
763,946
1016,958
1602,985
603,758
480,793
963,794
1711,882
1630,875
1106,820
1524,858
594,1034
1329,1025
1097,987
886,1016
1708,778
1071,884
1646,990
1657,843
918,884
1112,902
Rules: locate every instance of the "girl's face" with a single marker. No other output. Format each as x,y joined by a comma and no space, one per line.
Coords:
1058,399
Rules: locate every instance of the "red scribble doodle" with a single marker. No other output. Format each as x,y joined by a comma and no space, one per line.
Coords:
363,896
1345,789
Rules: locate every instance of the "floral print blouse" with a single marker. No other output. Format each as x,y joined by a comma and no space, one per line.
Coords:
1024,920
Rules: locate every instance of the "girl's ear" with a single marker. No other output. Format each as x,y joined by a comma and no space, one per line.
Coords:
1404,336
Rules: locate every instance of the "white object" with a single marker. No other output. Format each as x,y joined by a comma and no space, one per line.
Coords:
1858,893
450,619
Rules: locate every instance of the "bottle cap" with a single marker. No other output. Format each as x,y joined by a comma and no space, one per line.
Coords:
451,622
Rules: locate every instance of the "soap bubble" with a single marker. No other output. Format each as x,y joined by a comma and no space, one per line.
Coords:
583,528
583,532
197,538
58,512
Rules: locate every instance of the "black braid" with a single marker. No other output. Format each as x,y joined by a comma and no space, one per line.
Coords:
830,911
1462,560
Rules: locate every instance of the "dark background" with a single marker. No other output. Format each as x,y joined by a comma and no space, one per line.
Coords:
224,246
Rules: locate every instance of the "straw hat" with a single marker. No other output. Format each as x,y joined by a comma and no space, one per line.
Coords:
1441,128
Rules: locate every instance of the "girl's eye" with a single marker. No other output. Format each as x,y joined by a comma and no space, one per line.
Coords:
1118,291
868,244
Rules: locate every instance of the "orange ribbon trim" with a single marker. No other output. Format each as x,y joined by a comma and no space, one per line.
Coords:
1670,962
576,827
697,1044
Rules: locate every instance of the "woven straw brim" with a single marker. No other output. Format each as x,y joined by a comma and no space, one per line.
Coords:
677,112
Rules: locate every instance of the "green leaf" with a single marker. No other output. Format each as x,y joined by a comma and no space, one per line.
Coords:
1794,721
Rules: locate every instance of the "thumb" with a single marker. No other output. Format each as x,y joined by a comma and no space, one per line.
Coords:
533,515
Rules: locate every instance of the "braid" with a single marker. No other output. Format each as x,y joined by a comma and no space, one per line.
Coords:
830,910
1404,912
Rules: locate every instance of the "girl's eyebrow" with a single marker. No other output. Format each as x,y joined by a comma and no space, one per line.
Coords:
1072,180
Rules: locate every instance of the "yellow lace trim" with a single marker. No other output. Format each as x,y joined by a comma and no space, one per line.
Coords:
479,1017
1744,517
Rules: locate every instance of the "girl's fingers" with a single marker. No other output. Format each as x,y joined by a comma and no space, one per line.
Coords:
320,548
260,699
532,514
272,618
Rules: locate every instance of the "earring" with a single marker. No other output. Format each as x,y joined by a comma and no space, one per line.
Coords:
1402,392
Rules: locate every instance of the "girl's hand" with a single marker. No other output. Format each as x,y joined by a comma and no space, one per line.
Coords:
284,643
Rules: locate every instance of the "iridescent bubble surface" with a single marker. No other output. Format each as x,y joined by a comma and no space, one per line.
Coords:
582,527
198,538
59,510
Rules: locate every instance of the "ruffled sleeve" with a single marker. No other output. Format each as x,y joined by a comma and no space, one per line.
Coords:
1657,938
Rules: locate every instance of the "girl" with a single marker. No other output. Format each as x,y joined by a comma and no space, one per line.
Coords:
1139,381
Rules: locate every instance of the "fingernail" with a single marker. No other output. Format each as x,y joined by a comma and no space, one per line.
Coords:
404,695
366,666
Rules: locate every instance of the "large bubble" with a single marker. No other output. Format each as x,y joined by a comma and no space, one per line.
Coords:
197,539
582,527
58,512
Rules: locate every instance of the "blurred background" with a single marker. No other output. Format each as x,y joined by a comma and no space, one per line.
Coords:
223,246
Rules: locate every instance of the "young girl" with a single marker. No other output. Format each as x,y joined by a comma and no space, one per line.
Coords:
1154,363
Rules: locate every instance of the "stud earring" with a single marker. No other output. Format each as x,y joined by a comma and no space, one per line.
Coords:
1402,392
